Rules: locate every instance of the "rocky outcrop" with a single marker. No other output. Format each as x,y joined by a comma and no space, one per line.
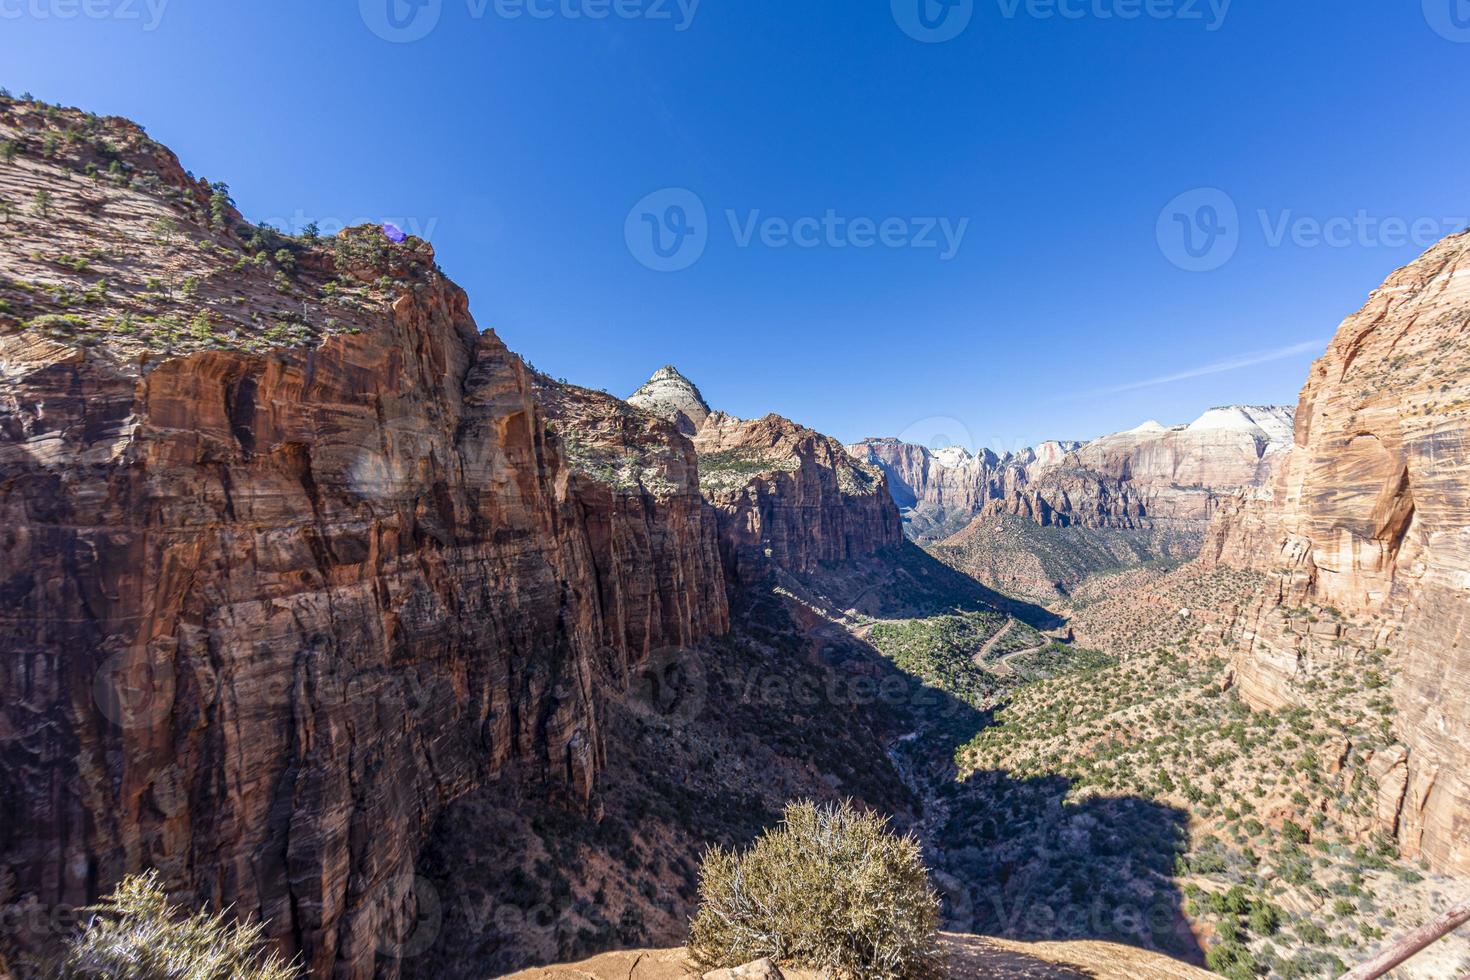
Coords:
670,395
791,496
784,495
293,555
1225,448
940,491
1368,515
635,483
968,956
1129,480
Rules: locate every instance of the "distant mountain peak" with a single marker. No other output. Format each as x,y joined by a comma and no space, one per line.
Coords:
670,395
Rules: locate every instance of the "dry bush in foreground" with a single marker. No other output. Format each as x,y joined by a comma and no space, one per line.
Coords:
831,888
137,935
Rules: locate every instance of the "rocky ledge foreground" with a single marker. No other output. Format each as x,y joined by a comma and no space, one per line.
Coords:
969,957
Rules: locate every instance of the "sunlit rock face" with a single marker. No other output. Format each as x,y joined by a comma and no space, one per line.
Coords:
1369,513
788,495
1128,480
784,495
670,395
275,598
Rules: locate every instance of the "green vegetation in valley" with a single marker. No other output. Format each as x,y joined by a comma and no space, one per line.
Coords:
940,651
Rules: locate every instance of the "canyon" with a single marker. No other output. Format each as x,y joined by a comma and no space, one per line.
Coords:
296,558
1038,522
1143,477
323,603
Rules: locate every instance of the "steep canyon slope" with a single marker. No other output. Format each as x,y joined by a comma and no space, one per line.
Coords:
1369,515
302,568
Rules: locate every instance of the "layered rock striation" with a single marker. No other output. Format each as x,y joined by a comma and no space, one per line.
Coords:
785,496
788,495
300,565
292,554
1129,480
672,396
1368,515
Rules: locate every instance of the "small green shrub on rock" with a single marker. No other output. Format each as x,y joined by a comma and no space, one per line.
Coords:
832,889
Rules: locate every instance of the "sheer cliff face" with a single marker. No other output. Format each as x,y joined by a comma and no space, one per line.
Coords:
784,495
942,491
1369,514
791,496
270,608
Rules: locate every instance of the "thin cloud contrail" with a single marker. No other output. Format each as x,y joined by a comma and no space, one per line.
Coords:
1220,367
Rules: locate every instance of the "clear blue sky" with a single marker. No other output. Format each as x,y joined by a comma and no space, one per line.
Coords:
520,145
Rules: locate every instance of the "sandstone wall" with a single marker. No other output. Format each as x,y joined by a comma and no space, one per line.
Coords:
267,613
1370,515
788,495
1146,477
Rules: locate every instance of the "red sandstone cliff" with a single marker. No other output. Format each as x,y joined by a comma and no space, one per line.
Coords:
783,494
297,562
1369,514
791,496
292,555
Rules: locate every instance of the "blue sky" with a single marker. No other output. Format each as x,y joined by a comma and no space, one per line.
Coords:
1053,137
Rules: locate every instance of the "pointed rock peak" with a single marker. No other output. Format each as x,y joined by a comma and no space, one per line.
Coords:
669,373
670,395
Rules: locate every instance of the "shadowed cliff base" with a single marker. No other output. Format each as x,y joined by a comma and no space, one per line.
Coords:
795,705
714,741
1022,861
